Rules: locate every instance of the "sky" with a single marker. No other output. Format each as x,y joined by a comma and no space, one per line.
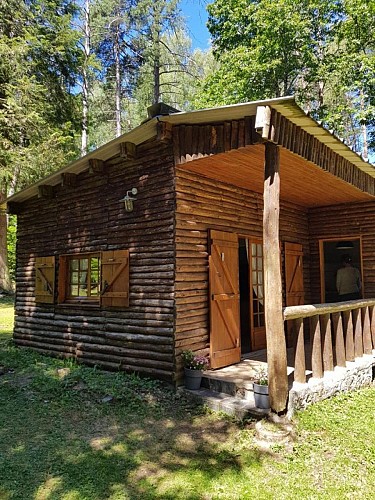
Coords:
196,19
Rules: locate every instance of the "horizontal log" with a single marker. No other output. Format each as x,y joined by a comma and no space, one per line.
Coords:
306,311
108,365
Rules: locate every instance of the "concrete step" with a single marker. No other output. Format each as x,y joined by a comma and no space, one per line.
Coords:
231,405
237,388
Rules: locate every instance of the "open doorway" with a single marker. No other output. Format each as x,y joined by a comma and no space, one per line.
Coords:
331,255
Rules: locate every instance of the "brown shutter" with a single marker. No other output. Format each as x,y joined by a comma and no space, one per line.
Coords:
115,278
225,300
294,274
45,279
63,279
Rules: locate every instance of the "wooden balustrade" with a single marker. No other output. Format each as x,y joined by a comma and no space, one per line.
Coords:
339,332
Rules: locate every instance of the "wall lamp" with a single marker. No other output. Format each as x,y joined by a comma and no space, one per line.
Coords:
128,200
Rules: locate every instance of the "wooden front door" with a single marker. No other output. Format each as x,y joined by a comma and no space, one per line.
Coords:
224,300
294,290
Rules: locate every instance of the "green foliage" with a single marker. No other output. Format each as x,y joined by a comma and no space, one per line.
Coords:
37,109
11,243
194,361
320,50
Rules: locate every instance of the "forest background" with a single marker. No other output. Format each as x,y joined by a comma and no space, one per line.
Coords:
76,74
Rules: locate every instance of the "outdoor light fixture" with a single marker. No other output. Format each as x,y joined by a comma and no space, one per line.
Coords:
128,200
344,245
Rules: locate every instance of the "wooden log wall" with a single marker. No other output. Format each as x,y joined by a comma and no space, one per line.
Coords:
197,141
340,222
204,204
86,217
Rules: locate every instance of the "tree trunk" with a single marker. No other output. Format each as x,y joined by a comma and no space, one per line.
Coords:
157,56
85,82
364,131
5,283
118,82
276,345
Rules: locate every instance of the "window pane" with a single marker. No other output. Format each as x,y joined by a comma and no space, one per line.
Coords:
83,279
83,291
259,249
84,264
253,249
94,263
74,264
74,290
74,278
261,320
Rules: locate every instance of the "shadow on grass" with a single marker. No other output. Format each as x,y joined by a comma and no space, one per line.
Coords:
74,432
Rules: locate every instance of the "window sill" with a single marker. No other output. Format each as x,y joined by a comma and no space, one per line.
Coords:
80,303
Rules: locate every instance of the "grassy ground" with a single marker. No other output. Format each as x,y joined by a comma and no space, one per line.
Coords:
6,316
73,433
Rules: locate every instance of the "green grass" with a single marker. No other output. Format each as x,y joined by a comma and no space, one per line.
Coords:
62,438
6,316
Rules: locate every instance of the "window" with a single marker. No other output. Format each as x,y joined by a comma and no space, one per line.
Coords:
84,277
100,278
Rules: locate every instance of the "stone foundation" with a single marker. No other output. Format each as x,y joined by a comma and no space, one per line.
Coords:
358,373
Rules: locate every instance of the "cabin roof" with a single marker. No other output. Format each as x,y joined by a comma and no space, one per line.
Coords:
286,106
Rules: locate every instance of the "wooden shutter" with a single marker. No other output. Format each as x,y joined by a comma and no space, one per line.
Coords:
45,279
115,278
294,291
224,300
294,274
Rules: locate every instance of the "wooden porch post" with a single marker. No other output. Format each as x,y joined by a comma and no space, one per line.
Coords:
276,344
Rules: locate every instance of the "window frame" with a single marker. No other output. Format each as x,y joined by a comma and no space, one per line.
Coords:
69,298
113,285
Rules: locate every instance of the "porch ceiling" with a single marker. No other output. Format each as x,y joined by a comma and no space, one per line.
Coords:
301,181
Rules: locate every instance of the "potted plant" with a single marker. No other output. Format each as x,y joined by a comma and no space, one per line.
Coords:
194,365
260,388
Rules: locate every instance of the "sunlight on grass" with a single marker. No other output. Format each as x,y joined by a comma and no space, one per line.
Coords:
6,317
60,438
45,491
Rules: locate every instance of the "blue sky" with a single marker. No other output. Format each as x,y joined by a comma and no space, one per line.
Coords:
196,18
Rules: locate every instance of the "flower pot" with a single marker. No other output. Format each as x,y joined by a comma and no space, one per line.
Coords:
193,379
261,397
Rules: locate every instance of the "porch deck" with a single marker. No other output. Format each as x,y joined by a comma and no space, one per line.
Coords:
335,353
243,373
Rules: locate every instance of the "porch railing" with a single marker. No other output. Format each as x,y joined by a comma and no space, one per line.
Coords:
339,332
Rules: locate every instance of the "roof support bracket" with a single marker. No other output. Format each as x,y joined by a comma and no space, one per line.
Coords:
128,150
45,191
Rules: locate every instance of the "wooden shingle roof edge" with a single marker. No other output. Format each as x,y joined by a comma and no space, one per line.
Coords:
286,106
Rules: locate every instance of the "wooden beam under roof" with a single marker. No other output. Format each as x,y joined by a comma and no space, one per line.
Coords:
68,179
45,191
128,150
96,166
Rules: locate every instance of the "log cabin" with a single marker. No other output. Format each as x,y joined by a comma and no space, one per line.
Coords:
216,230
